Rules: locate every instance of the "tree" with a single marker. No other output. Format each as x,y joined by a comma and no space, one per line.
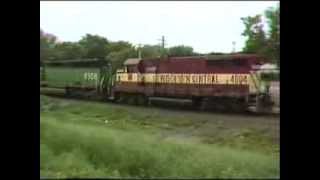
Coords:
47,43
118,46
265,44
69,50
181,51
273,19
254,31
149,51
117,58
95,46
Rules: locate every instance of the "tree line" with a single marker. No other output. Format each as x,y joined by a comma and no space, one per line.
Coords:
258,41
94,46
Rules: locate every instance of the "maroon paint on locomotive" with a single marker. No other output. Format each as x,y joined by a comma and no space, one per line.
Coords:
235,64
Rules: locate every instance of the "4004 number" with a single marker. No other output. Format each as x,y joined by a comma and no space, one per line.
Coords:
239,79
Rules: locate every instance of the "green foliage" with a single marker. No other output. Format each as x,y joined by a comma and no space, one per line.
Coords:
260,42
119,46
181,51
273,16
69,50
149,51
84,149
256,36
118,57
96,46
77,143
47,43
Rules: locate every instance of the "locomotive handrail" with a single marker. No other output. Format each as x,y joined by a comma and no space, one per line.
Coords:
254,81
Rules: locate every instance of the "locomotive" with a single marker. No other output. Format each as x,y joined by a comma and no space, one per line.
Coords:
235,82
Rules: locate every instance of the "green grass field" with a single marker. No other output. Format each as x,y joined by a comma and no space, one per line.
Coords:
87,139
62,76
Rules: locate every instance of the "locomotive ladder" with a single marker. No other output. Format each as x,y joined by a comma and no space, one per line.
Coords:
254,101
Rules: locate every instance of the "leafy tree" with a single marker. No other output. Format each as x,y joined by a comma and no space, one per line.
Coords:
117,58
254,31
47,43
69,50
149,51
118,46
265,44
119,52
181,51
95,46
273,19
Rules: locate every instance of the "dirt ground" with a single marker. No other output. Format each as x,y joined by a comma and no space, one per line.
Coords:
180,122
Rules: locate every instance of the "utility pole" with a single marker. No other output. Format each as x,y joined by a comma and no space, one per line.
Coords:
139,51
163,42
162,46
233,46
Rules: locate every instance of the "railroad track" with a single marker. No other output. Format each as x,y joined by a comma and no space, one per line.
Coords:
164,103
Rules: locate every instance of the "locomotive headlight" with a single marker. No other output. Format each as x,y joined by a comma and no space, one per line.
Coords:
263,87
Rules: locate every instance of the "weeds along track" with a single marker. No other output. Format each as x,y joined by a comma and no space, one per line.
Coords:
205,127
173,105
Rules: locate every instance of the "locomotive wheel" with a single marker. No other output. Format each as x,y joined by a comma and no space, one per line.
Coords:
116,97
203,104
128,99
235,105
121,98
219,104
142,100
196,102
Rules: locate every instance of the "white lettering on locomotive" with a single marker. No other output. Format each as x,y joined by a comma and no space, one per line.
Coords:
202,79
90,76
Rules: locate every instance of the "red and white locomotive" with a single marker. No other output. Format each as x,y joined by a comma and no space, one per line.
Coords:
229,81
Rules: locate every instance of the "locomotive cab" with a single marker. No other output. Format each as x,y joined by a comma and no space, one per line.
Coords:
266,80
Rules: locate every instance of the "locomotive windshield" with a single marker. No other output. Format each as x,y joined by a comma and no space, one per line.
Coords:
268,73
271,76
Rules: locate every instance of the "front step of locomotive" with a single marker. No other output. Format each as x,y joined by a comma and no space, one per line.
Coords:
261,104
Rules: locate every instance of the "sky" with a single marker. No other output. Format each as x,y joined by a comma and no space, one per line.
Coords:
207,26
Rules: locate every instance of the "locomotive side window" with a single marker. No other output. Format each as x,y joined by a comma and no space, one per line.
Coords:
270,76
132,69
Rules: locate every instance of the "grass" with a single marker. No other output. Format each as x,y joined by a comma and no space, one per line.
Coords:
76,141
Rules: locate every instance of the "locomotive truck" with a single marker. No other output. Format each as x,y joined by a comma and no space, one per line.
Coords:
235,82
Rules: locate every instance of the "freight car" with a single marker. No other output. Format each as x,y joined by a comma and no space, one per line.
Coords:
233,82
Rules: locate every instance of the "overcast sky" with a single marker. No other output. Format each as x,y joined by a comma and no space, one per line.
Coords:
206,26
